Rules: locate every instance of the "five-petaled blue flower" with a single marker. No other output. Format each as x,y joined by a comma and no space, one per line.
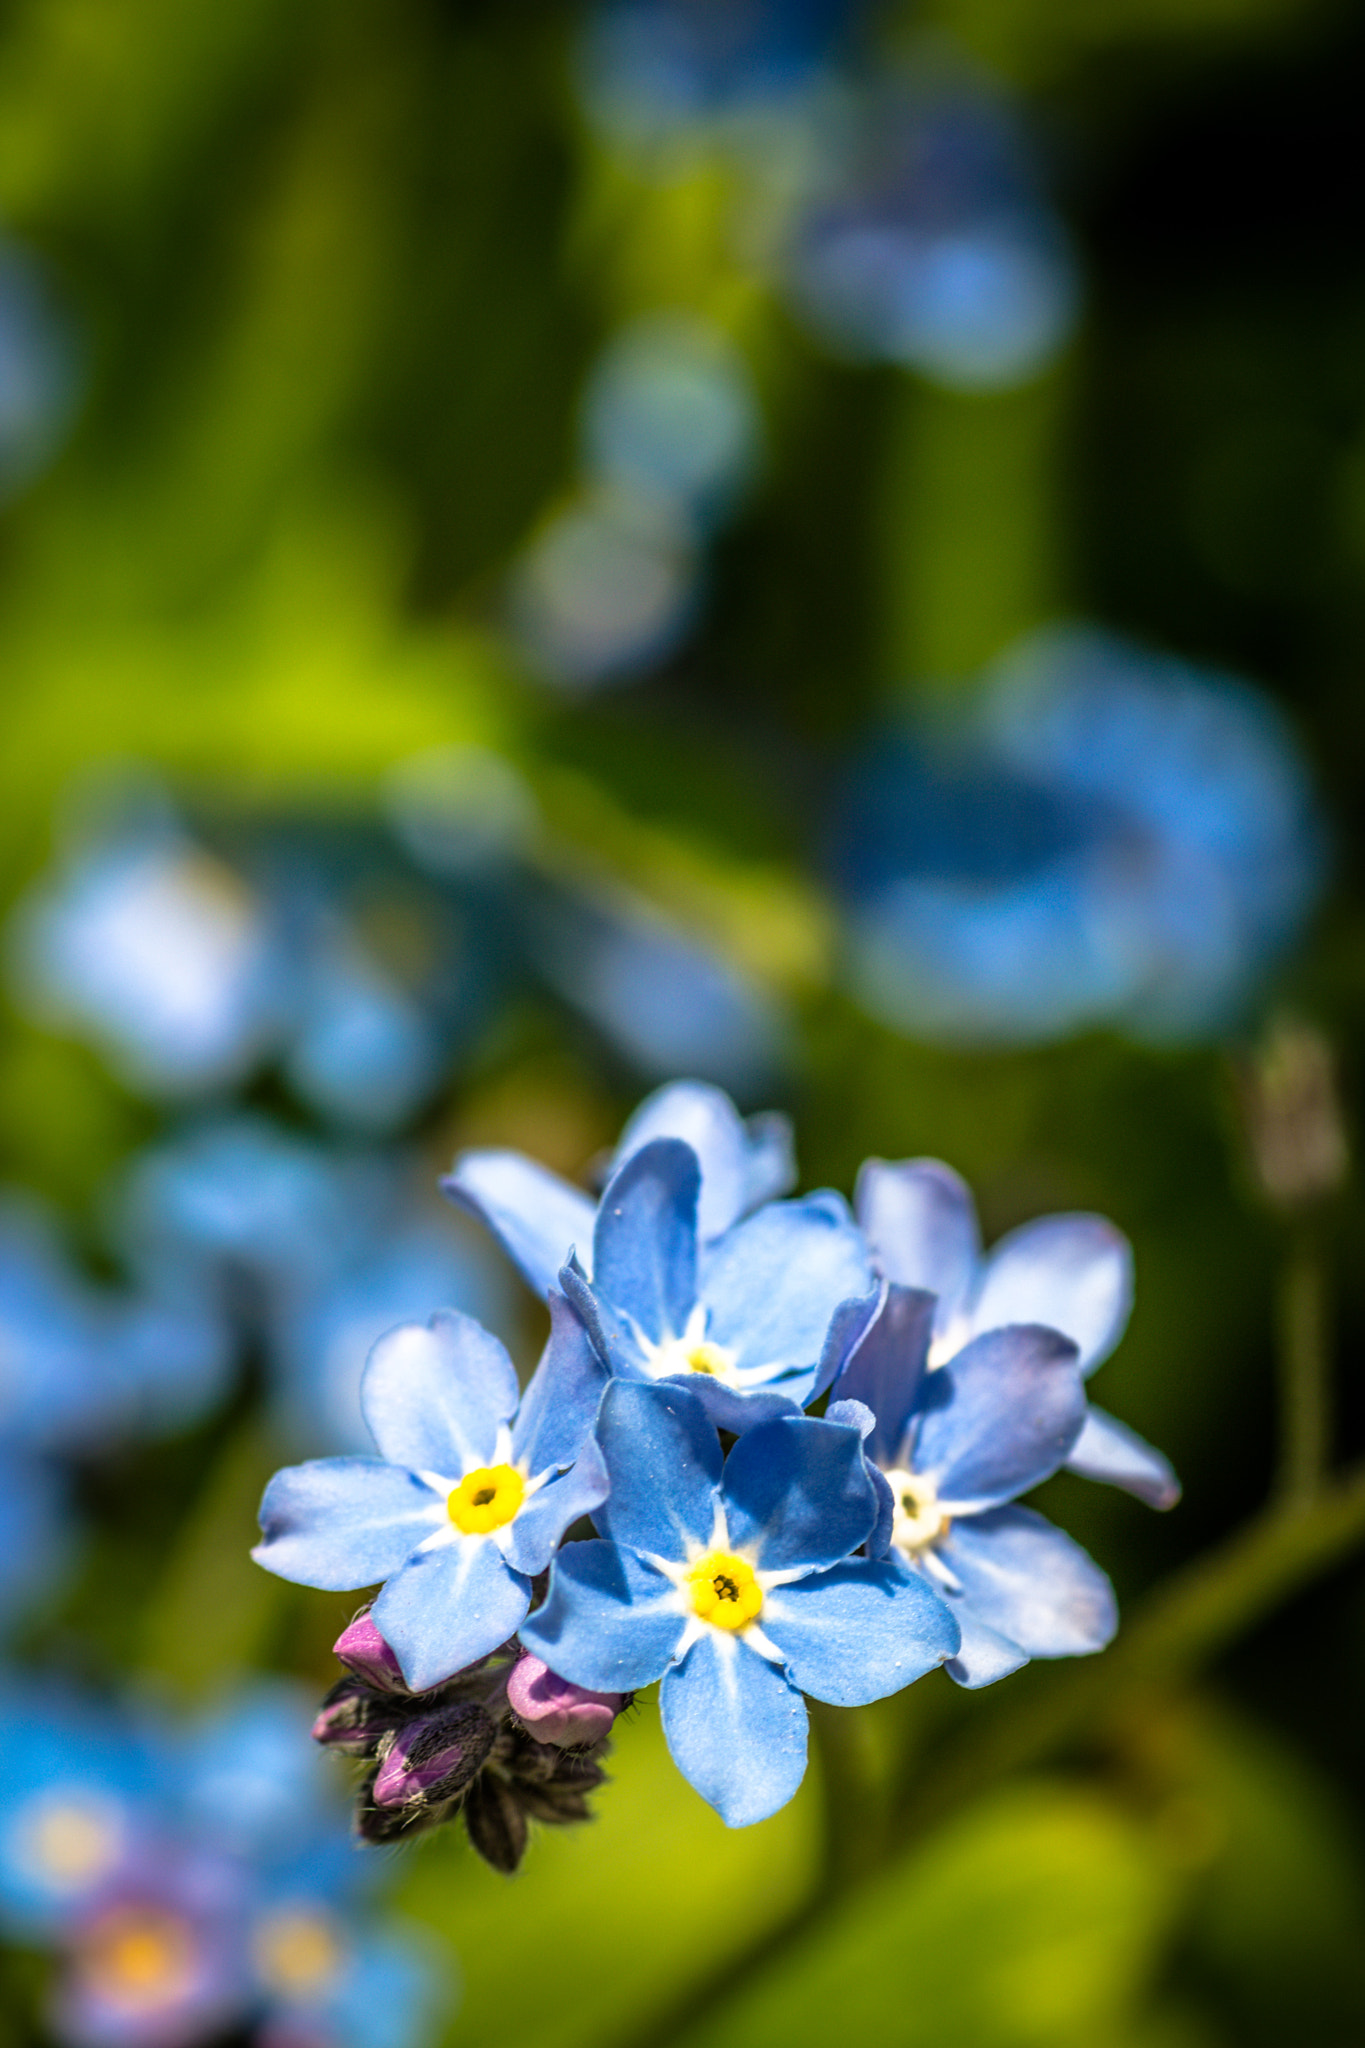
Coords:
1071,1273
734,1583
469,1496
952,1448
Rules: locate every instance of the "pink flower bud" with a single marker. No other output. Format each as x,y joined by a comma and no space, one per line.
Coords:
555,1711
435,1756
363,1650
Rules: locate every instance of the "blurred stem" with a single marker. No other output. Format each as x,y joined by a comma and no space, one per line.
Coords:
1305,1369
852,1809
1185,1623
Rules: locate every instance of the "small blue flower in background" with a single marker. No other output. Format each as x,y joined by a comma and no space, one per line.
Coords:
954,1447
733,1582
40,371
1071,1273
474,1487
1099,836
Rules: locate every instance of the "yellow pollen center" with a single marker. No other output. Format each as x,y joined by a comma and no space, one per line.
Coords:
140,1958
297,1953
709,1358
486,1499
920,1521
723,1590
71,1844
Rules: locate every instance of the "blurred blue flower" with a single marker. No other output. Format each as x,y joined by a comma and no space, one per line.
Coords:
1072,1273
733,1582
474,1487
1101,835
953,1448
40,371
927,241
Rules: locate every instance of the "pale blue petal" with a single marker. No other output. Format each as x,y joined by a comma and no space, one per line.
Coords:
1030,1583
435,1394
450,1606
560,1404
858,1632
1108,1450
610,1621
610,1334
645,1244
847,1327
886,1369
664,1461
536,1217
739,1412
797,1494
1073,1273
742,1164
773,1283
984,1656
735,1728
1001,1417
920,1221
530,1541
340,1523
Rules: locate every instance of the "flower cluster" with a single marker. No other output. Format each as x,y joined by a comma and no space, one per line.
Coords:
749,1553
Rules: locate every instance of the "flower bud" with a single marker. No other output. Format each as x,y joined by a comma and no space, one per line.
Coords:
552,1710
1293,1116
363,1650
434,1757
353,1718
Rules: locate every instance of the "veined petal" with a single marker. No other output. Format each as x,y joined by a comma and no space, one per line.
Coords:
340,1523
611,1622
560,1404
773,1283
664,1462
435,1394
984,1656
1030,1583
529,1541
920,1221
797,1495
888,1365
1108,1450
735,1727
742,1163
536,1217
448,1607
1001,1416
859,1631
1072,1273
645,1244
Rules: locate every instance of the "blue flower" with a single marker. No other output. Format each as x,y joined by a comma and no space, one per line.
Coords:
468,1499
539,1219
953,1447
1070,1273
733,1582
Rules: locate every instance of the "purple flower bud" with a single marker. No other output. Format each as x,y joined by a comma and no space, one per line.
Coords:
555,1711
363,1650
354,1717
434,1757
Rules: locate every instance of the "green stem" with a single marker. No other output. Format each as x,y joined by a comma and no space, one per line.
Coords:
1305,1376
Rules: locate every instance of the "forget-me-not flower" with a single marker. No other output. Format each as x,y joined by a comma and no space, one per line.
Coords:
954,1447
1072,1273
732,1580
473,1488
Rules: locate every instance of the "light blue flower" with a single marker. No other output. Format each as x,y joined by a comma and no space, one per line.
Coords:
1071,1273
468,1499
953,1448
733,1582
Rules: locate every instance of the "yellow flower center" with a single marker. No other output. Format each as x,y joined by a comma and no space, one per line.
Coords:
296,1952
920,1520
713,1359
723,1590
71,1843
140,1958
486,1499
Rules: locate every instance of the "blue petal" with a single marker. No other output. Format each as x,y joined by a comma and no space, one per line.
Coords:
886,1369
560,1404
339,1523
984,1656
859,1631
1073,1273
797,1494
1030,1583
610,1621
529,1542
664,1461
730,1408
1001,1417
773,1283
435,1394
645,1244
920,1221
1110,1451
536,1217
450,1606
735,1728
742,1164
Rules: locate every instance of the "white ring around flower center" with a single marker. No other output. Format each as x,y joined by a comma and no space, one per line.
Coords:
920,1518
